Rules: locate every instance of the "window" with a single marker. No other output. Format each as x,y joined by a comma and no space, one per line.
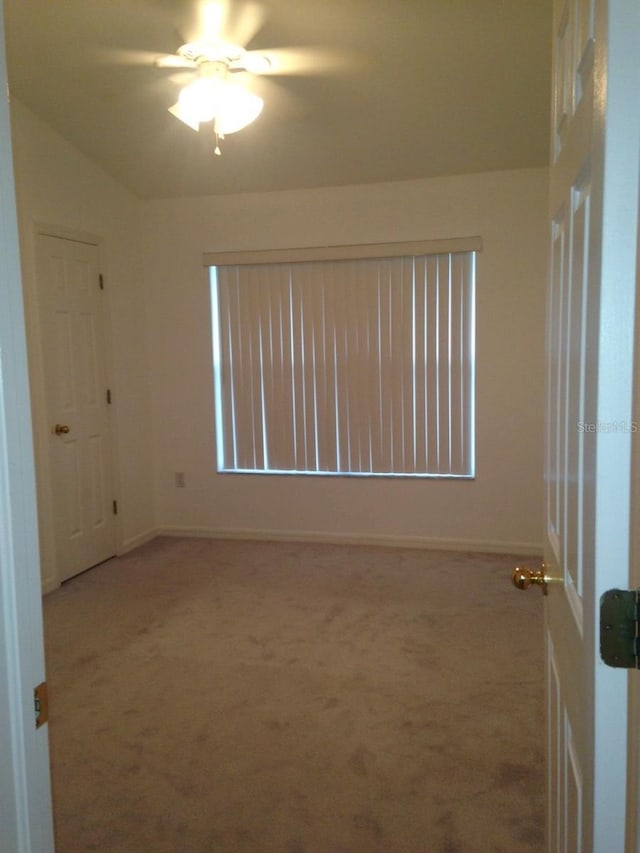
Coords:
362,366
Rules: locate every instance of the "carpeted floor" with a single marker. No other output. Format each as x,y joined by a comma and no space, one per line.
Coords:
222,696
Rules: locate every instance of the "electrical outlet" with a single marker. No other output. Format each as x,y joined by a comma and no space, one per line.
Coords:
179,477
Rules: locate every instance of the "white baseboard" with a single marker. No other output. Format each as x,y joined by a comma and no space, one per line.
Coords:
431,543
137,541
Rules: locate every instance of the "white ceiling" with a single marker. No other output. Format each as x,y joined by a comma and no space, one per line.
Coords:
423,88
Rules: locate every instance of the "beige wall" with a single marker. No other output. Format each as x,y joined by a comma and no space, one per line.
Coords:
502,508
58,186
161,349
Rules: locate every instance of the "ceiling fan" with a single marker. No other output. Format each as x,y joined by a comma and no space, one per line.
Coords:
214,97
219,96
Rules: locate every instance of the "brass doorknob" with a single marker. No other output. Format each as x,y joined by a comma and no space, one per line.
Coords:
523,578
61,429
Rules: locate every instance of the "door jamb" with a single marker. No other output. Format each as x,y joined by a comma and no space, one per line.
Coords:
633,774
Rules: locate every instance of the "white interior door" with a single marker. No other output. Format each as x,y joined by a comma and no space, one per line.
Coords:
594,210
71,313
25,792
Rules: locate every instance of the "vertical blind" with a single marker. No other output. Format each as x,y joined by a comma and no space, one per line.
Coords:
360,367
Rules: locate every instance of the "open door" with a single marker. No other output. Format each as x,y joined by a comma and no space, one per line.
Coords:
594,228
25,793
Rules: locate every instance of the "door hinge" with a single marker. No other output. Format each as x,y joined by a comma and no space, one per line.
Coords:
109,396
619,643
41,704
115,507
101,281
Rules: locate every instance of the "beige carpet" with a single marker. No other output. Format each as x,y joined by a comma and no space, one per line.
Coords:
257,697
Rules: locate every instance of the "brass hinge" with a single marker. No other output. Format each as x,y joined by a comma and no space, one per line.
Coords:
101,281
115,507
619,630
41,704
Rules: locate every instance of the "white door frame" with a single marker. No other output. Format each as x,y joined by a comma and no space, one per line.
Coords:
633,776
25,791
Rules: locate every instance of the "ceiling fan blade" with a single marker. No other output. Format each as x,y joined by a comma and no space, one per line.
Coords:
209,21
244,23
121,56
182,78
174,61
213,21
304,60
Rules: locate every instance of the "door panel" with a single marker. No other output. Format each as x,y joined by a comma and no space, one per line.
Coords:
73,345
594,175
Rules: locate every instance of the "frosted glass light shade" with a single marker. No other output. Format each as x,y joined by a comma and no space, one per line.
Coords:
237,110
211,99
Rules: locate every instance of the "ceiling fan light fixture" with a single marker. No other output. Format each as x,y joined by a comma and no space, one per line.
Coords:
236,109
176,110
198,102
214,97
